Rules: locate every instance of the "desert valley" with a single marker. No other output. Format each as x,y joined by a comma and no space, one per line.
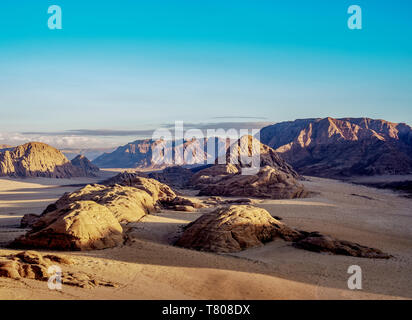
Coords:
329,194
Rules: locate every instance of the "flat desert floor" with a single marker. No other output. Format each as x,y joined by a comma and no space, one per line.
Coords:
149,267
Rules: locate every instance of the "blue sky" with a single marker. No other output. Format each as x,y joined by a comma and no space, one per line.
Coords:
134,65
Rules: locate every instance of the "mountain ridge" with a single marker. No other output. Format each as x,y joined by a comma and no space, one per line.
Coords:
332,147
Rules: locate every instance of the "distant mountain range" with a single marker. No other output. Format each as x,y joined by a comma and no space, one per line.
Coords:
89,153
331,147
324,147
139,154
37,159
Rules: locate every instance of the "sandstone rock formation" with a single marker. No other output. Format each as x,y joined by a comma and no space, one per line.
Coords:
215,201
238,227
92,217
37,159
28,220
342,147
314,241
267,183
274,179
33,265
158,190
81,225
183,204
127,204
29,265
85,166
234,228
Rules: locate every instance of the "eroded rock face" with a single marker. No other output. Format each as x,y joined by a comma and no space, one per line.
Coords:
91,217
238,227
80,225
127,204
33,265
273,179
29,265
37,159
234,228
344,147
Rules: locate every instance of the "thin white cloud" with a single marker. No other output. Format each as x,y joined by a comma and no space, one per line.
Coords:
59,142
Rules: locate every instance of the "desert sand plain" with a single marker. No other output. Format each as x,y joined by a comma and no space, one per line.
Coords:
149,267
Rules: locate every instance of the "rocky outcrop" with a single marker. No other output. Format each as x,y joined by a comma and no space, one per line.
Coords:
127,204
92,217
234,228
239,227
183,204
156,189
316,242
215,201
267,183
35,266
81,225
85,166
28,220
344,147
37,159
274,179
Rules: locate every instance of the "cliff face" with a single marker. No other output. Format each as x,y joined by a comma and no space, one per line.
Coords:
331,147
37,159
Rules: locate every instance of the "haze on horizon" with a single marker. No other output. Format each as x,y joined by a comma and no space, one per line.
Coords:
144,64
